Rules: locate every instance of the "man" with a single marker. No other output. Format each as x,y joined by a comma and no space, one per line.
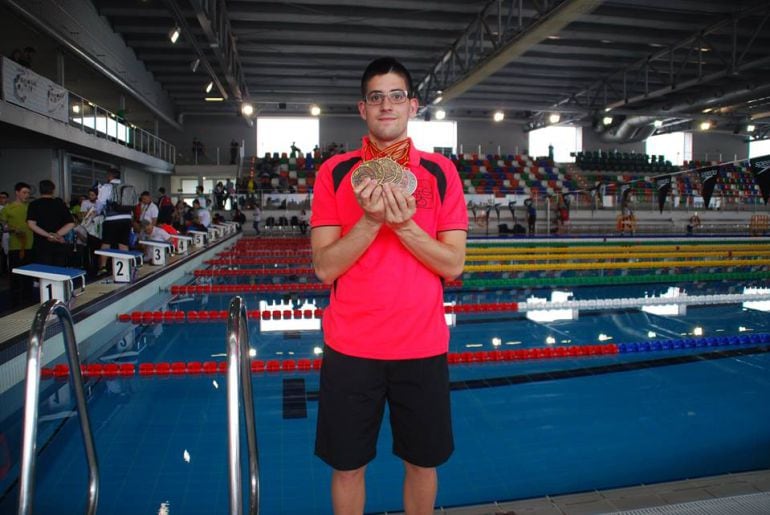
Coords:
116,227
386,253
151,232
50,219
165,207
14,218
201,214
146,210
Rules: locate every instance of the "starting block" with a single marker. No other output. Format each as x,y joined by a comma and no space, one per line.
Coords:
124,263
224,228
199,238
232,227
56,282
214,232
158,250
181,242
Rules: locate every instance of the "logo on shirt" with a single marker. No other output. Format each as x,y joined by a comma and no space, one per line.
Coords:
423,195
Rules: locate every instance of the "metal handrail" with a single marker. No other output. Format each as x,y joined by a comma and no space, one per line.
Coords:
239,370
32,391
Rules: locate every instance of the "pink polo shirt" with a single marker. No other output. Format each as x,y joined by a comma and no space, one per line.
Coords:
388,305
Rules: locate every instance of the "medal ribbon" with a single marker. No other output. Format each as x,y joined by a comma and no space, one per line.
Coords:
398,151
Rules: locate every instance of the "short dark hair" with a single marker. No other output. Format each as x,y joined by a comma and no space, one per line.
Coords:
162,190
4,193
21,185
145,194
382,66
46,187
94,191
114,172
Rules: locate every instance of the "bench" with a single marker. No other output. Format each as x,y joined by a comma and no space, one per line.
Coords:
158,250
124,263
56,282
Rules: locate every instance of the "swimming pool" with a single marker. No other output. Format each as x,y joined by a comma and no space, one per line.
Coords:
526,424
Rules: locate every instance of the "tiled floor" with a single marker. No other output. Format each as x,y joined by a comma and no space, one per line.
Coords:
632,498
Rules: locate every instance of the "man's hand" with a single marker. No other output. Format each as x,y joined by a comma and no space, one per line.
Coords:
399,208
370,198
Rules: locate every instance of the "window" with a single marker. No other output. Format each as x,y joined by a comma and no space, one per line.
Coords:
565,140
759,148
278,134
428,136
675,146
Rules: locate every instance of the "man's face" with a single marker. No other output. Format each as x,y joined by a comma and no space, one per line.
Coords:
387,121
3,199
92,196
148,230
22,195
145,199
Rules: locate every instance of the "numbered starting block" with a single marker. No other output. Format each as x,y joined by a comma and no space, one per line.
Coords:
199,238
231,227
124,263
158,250
215,232
181,242
56,282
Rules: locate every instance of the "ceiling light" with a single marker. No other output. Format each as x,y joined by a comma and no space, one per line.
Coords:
214,99
705,49
554,37
194,64
76,109
173,34
704,126
438,99
499,116
607,109
750,127
606,41
658,124
315,110
656,45
554,118
209,86
607,120
247,109
440,114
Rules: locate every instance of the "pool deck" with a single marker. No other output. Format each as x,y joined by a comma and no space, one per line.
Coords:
722,492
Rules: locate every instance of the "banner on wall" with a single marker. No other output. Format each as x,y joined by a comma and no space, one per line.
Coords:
708,179
663,185
760,169
25,88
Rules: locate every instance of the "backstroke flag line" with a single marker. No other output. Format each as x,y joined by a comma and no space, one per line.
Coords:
708,179
663,185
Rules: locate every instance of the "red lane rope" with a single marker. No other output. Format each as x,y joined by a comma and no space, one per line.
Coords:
258,261
191,289
253,271
305,364
148,317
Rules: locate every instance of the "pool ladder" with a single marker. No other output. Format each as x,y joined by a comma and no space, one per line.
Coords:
31,394
239,380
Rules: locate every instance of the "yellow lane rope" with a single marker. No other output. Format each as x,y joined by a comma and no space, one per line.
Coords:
623,265
599,249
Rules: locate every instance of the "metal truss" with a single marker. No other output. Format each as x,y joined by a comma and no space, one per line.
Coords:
693,61
499,24
215,24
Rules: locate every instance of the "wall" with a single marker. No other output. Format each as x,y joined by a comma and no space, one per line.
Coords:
347,130
28,165
591,141
490,135
709,146
214,132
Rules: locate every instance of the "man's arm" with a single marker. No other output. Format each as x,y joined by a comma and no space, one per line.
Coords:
444,255
332,254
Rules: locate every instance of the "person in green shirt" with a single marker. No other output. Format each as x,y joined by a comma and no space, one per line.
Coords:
14,218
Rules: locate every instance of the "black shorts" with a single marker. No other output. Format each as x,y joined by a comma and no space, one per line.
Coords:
351,405
116,232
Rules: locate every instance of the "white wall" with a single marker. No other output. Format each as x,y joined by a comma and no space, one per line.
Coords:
214,132
347,130
709,146
490,135
591,141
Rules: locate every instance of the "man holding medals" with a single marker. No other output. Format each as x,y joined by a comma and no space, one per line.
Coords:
389,224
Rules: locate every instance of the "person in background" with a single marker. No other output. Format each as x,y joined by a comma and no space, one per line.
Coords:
116,228
201,214
239,218
693,223
531,216
165,207
149,231
201,197
257,218
178,218
5,237
385,335
234,146
146,210
14,219
303,221
50,221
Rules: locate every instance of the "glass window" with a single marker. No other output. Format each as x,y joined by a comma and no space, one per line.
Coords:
675,146
278,134
429,136
759,148
565,140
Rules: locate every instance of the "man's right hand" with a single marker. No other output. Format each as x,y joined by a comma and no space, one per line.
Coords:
369,197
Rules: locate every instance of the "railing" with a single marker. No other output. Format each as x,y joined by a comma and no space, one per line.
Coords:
105,124
239,376
32,391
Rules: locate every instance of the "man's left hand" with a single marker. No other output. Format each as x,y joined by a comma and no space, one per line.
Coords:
399,208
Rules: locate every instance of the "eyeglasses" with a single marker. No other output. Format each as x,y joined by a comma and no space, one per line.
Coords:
396,96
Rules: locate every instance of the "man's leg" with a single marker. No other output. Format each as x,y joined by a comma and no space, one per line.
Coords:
348,491
420,485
